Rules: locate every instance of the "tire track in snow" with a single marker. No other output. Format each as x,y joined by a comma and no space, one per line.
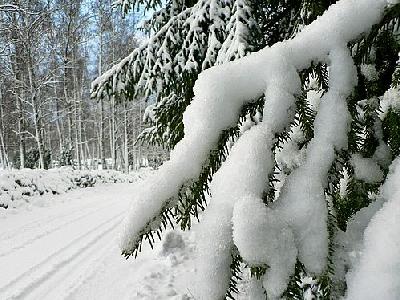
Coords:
26,283
36,223
81,269
77,207
8,246
60,250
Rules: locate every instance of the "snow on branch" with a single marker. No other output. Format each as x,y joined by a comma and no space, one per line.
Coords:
377,275
301,212
112,81
9,7
174,49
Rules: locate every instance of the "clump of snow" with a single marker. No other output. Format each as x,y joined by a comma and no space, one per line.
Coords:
314,98
5,200
377,275
250,288
366,169
302,201
349,244
343,183
264,239
390,100
215,231
314,92
382,155
213,252
369,72
149,114
246,124
290,156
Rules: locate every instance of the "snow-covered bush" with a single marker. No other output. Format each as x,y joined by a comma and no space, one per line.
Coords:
19,185
286,189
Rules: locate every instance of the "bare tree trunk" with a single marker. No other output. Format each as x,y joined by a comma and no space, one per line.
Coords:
59,125
102,129
112,103
3,150
134,136
47,133
68,104
36,114
35,111
20,91
66,84
126,142
94,148
100,67
76,134
2,160
139,131
81,124
112,130
76,114
20,129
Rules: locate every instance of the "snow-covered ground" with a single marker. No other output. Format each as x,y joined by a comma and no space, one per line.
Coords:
67,248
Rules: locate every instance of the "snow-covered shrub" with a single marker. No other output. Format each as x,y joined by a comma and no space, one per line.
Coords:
281,202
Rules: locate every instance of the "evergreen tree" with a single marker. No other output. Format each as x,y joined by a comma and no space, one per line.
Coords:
269,139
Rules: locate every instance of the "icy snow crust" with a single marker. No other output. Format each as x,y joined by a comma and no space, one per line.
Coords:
300,213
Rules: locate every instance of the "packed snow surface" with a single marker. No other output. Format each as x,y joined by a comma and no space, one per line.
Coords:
65,248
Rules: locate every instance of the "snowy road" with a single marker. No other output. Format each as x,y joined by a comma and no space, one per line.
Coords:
68,250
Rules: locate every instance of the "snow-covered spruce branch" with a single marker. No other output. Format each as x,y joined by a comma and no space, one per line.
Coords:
172,54
301,211
215,109
297,222
111,81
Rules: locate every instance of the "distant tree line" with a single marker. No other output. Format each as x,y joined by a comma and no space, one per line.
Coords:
50,51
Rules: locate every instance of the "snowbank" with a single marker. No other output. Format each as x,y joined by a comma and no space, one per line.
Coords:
17,186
